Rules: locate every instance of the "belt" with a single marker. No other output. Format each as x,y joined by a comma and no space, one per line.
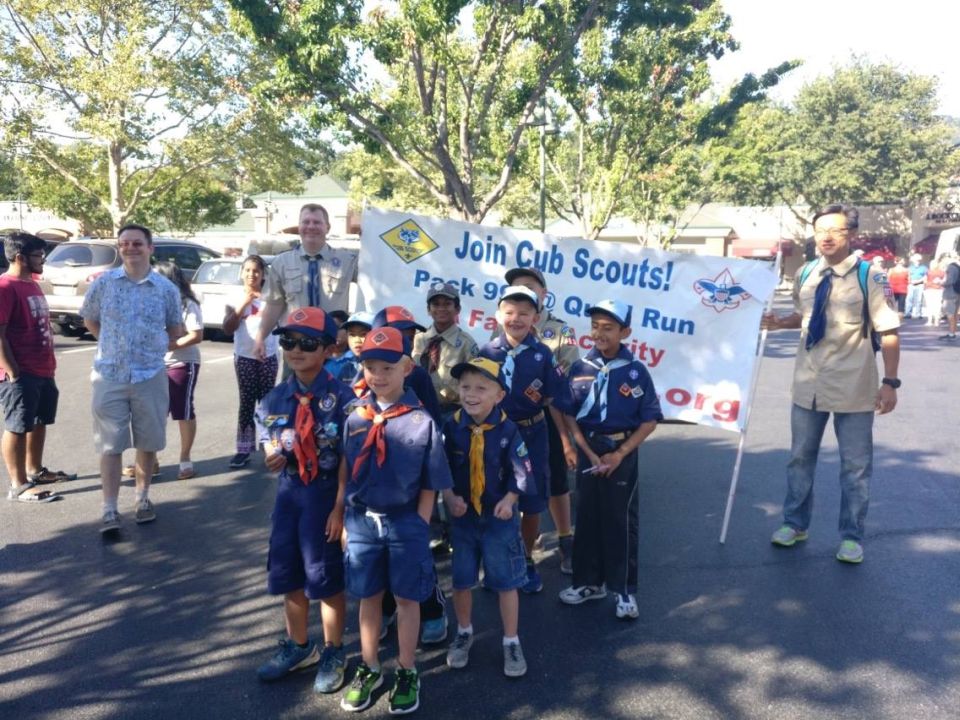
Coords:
530,422
616,437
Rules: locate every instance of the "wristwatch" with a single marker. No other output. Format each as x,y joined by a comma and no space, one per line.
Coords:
892,382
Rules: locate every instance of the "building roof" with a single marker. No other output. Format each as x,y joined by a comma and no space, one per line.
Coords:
243,224
316,188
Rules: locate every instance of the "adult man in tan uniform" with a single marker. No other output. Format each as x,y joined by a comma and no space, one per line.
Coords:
836,372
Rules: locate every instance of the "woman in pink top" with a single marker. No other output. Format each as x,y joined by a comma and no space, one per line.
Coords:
933,291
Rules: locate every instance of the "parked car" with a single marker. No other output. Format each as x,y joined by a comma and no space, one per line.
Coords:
216,284
74,265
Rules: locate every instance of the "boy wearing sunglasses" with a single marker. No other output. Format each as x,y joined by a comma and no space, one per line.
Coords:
300,423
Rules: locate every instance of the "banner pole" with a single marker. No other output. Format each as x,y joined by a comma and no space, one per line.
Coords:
735,478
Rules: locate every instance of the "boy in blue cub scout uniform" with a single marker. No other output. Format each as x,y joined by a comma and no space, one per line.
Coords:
534,381
346,367
299,423
616,410
491,471
395,455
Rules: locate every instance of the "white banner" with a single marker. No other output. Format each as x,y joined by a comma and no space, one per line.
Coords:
695,318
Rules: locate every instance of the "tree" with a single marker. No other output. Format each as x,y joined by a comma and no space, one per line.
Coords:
125,102
867,133
446,88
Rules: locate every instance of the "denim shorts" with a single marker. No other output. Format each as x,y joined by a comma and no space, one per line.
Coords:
494,542
388,552
300,558
28,401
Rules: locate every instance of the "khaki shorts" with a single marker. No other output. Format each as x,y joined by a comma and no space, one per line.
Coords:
951,305
121,409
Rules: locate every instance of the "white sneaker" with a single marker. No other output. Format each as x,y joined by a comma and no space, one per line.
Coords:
111,521
627,607
577,595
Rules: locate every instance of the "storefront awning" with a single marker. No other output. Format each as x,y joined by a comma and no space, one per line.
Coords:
759,247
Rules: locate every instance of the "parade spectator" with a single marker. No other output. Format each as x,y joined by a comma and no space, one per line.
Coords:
899,279
135,314
28,391
933,291
918,274
616,409
183,366
561,340
300,423
951,296
311,275
256,376
490,470
836,372
396,463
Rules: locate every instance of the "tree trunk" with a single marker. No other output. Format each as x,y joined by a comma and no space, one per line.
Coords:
118,209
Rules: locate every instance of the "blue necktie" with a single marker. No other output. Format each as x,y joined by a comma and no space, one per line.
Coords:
509,365
599,389
313,283
817,326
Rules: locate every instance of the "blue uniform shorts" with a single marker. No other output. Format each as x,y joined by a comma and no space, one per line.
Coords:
300,556
536,438
493,541
388,551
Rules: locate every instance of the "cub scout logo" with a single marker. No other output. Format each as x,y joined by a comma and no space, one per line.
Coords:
533,395
409,241
625,390
721,293
380,338
298,315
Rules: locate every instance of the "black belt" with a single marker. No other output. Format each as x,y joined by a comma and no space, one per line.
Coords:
530,422
616,437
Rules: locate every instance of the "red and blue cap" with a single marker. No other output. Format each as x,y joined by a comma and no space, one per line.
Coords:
616,309
384,343
310,321
396,316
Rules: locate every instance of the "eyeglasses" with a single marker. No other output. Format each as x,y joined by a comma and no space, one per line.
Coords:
37,255
832,232
307,344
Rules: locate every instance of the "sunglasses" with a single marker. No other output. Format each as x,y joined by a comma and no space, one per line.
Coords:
307,344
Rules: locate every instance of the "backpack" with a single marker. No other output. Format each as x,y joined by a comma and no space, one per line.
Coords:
863,270
956,282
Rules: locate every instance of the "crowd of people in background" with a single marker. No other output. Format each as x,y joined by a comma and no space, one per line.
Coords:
925,292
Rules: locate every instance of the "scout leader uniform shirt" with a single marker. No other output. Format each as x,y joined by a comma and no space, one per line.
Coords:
290,279
455,346
560,338
622,403
275,422
839,373
414,459
534,379
506,462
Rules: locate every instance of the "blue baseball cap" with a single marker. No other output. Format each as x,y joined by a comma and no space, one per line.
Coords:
520,292
361,318
619,311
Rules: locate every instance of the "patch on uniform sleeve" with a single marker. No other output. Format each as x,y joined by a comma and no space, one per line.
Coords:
569,337
634,374
548,333
417,417
533,394
637,392
626,390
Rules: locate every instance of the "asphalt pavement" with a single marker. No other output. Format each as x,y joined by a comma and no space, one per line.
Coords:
171,619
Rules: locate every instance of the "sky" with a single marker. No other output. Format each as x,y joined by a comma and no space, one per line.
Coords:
919,36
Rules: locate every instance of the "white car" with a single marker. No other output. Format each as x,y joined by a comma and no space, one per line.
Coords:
217,284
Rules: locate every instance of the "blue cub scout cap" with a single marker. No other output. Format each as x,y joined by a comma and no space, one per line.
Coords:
616,309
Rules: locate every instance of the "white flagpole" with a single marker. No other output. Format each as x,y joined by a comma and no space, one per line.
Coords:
746,420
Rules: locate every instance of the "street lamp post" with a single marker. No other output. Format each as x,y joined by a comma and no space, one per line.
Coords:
543,121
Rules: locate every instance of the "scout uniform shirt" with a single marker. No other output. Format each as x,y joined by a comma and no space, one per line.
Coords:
414,460
288,279
456,346
506,462
628,397
839,373
275,422
560,338
535,379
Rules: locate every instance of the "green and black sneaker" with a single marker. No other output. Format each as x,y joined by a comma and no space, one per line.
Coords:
405,696
359,693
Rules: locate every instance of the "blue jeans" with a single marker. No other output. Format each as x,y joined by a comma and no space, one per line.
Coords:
914,301
855,439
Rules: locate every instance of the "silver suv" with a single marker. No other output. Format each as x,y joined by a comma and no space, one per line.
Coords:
73,266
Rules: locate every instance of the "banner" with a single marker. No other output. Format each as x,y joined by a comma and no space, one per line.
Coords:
695,318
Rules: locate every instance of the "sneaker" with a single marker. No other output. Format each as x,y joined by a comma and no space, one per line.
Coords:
850,552
385,624
576,595
433,632
145,512
458,654
289,658
949,337
787,536
565,545
359,694
440,546
627,607
333,662
405,696
239,460
514,665
111,521
534,583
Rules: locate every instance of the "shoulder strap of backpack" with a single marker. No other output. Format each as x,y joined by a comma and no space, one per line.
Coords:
805,272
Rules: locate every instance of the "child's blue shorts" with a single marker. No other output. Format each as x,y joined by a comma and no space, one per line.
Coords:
300,556
493,541
536,438
388,551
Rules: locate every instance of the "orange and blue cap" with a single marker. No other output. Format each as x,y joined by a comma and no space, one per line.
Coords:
384,343
396,316
310,321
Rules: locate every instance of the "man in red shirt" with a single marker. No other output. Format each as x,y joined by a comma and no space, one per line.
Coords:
28,393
